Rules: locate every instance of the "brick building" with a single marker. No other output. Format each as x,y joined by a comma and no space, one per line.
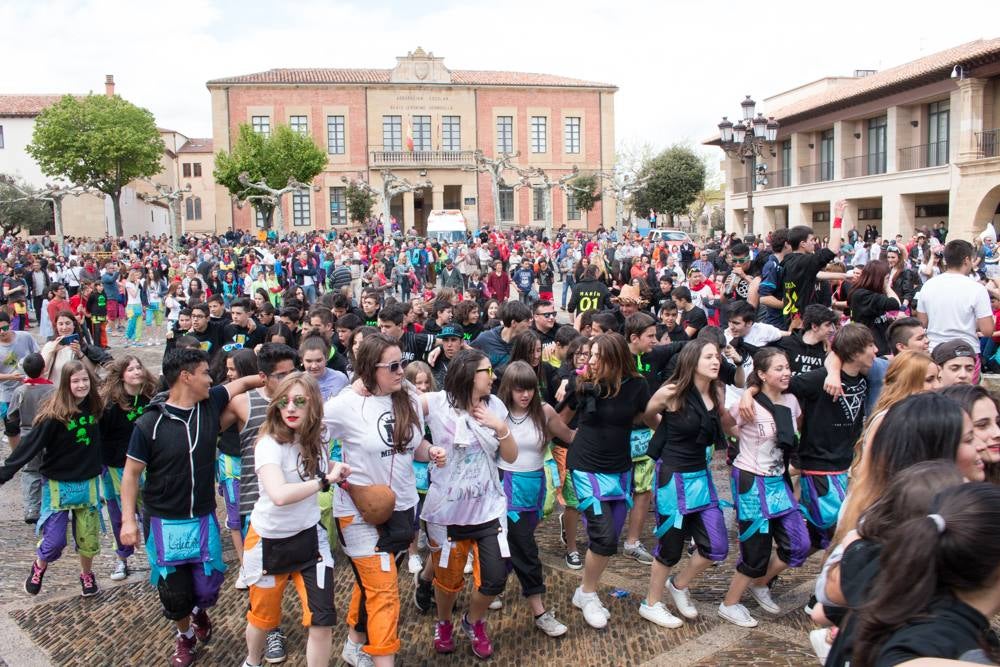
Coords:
422,120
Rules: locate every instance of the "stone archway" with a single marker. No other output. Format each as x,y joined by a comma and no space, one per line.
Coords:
988,210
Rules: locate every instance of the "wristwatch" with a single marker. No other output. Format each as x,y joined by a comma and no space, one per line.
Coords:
324,483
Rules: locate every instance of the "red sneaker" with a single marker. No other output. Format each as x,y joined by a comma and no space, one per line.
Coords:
183,651
202,625
443,641
481,644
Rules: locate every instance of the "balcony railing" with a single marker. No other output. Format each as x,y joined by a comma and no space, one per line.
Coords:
864,165
988,143
404,158
816,173
779,178
739,184
927,155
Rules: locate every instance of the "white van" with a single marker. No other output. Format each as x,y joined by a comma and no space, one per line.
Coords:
446,225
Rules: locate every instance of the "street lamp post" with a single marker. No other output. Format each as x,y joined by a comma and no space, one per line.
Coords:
749,138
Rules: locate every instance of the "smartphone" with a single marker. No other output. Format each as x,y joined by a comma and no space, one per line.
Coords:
70,339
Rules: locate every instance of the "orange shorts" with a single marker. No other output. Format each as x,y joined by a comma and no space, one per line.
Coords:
374,608
559,454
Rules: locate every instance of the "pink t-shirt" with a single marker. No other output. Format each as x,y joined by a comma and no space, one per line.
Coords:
759,452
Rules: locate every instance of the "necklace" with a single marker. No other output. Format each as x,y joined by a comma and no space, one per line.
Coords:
515,420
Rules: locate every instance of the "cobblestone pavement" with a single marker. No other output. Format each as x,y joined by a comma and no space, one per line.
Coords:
123,626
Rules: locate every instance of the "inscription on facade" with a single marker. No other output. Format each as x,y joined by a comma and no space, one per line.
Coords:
422,103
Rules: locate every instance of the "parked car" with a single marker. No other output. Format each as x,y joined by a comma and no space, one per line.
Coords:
673,237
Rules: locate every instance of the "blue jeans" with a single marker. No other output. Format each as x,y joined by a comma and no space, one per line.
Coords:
310,292
568,283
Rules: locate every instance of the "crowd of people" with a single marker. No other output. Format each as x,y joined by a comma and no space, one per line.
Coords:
425,404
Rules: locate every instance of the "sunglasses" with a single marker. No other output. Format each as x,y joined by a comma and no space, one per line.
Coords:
488,371
393,366
298,401
229,347
740,260
547,315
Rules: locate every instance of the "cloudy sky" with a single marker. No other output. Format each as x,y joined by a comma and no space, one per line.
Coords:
680,64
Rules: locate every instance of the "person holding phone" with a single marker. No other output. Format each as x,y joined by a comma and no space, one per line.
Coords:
68,345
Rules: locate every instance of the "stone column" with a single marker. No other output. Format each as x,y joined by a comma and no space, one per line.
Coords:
407,222
970,116
437,198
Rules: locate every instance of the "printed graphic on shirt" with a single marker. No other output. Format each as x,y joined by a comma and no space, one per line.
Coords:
386,424
853,400
589,301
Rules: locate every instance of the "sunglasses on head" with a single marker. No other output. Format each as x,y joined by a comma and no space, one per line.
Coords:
393,366
298,401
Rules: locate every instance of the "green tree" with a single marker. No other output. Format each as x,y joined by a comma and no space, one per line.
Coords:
359,203
98,141
676,176
274,159
19,211
585,188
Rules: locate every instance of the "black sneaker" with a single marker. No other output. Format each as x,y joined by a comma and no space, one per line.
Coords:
88,585
33,583
423,594
810,605
274,651
573,560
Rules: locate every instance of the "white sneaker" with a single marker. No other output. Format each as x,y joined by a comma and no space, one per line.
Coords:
594,612
121,571
414,564
658,614
548,624
762,594
737,614
241,581
350,652
682,600
468,564
820,644
497,602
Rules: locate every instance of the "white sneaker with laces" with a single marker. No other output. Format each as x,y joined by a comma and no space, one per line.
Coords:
497,602
350,652
737,614
468,565
414,564
241,582
762,594
121,571
548,624
682,600
594,612
660,615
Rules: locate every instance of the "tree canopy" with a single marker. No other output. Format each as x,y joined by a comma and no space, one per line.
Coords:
272,159
19,212
359,203
676,176
585,188
97,141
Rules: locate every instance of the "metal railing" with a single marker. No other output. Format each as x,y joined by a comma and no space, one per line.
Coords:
926,155
779,178
816,173
988,143
864,165
405,158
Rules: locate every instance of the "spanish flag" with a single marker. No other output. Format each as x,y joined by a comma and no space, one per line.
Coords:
409,137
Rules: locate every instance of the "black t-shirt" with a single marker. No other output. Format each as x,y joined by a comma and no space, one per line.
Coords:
547,336
209,339
694,318
116,430
802,357
952,630
676,333
858,568
415,346
829,428
682,437
870,308
602,437
234,334
653,365
800,271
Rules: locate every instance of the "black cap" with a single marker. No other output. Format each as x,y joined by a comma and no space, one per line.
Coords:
451,331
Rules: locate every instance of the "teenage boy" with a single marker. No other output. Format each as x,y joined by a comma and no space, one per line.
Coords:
204,331
21,413
217,311
242,330
515,317
772,285
957,360
692,318
174,443
440,317
450,338
415,346
803,265
954,306
807,348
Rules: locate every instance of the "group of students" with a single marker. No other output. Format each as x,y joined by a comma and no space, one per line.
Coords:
361,427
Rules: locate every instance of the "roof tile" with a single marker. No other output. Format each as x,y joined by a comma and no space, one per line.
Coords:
193,145
459,77
26,106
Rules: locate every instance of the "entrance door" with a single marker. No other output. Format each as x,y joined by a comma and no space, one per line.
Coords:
421,209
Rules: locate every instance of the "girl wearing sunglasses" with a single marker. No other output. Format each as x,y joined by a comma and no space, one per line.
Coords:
378,421
285,534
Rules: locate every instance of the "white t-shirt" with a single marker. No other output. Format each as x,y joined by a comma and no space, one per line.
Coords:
268,519
530,446
953,303
759,452
364,426
467,490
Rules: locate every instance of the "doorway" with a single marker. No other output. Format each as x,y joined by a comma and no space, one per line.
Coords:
421,209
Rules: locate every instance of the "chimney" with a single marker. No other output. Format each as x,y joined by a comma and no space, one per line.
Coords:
109,85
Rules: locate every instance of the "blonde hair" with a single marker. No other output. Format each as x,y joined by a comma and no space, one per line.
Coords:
311,435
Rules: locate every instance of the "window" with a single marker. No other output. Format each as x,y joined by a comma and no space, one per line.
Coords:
571,137
186,169
938,117
421,133
505,134
261,125
933,210
1,136
877,128
335,135
338,206
506,204
572,212
451,133
539,134
392,133
192,208
538,199
300,209
786,163
299,124
825,157
196,167
821,216
259,219
870,213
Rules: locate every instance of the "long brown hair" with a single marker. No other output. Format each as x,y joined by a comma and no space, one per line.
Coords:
616,365
872,277
61,405
403,408
520,375
683,377
113,390
311,435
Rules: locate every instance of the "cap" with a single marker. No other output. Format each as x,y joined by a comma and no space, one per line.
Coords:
451,331
953,349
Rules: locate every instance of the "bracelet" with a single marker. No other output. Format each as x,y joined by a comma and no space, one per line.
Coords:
838,223
505,435
324,483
